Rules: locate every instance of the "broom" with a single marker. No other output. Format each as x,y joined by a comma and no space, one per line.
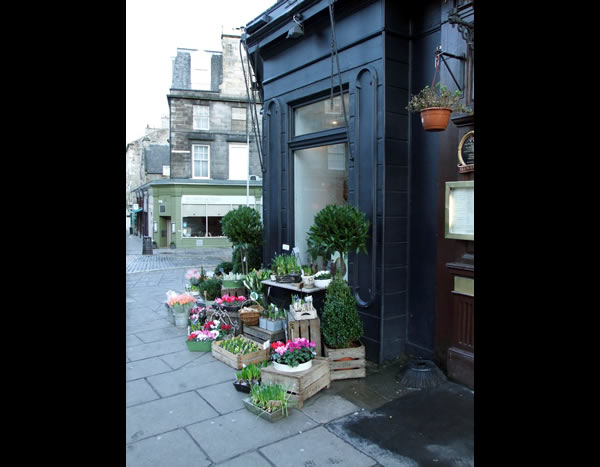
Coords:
422,374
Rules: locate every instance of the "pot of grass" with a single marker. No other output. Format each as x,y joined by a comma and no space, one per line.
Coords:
270,401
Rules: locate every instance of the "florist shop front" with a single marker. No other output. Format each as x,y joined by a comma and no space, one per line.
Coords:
335,78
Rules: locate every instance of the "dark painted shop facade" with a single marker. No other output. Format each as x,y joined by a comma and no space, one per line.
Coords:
383,161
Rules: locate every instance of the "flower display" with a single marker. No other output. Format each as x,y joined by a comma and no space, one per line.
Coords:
203,335
292,353
181,302
217,326
230,300
197,318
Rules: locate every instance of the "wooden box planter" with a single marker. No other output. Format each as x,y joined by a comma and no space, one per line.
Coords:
308,328
303,384
261,335
346,363
269,416
237,361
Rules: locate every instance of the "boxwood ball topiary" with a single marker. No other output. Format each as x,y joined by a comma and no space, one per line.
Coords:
242,226
341,228
340,323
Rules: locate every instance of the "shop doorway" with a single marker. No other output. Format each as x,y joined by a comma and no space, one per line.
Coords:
164,228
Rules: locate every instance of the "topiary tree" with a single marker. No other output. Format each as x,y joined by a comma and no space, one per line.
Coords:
338,228
242,226
340,323
253,258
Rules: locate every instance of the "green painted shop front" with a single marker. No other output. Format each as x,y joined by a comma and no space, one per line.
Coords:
188,215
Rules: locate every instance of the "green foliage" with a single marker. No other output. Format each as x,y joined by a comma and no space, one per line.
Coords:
249,372
254,258
242,226
263,395
239,346
285,264
338,228
227,267
438,96
340,323
212,287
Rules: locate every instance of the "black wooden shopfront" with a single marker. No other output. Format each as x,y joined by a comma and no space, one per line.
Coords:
393,170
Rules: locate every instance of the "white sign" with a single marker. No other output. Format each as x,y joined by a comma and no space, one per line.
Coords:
285,247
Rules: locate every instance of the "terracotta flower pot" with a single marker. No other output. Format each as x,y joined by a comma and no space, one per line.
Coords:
435,118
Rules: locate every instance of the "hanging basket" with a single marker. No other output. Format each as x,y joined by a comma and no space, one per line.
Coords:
435,118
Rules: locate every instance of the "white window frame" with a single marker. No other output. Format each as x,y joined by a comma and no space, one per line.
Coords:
243,146
238,110
194,146
201,117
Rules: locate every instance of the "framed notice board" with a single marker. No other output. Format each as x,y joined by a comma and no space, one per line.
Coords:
459,210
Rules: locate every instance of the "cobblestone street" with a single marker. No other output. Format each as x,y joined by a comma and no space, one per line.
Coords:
164,258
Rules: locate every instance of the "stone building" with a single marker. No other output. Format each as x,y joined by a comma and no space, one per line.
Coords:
145,160
213,160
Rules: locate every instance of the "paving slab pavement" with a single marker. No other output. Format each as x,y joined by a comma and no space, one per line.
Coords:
182,408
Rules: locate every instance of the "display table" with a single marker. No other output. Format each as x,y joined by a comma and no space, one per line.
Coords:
280,293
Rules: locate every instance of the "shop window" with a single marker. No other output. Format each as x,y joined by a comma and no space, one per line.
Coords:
322,115
214,227
194,227
201,117
200,161
319,179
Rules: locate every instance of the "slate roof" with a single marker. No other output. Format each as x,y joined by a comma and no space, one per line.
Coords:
155,156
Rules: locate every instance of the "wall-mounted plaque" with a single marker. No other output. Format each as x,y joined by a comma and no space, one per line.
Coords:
466,153
459,210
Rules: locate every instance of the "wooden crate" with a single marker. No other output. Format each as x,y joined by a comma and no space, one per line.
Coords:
302,384
238,361
346,369
261,335
308,328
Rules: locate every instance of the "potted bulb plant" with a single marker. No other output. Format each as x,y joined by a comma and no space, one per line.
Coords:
435,104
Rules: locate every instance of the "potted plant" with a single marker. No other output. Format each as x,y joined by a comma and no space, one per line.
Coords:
253,282
435,104
287,269
232,280
243,227
342,329
197,318
293,356
230,303
274,322
270,401
201,340
262,319
322,279
246,377
307,276
210,288
340,228
170,296
222,330
181,305
239,351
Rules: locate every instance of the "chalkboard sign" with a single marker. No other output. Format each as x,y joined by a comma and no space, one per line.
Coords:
466,149
147,246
